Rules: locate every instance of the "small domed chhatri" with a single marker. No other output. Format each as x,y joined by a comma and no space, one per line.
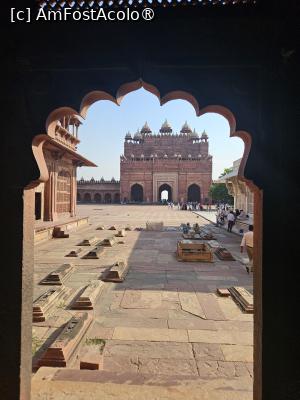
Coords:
194,134
146,130
138,135
186,129
204,135
166,128
128,135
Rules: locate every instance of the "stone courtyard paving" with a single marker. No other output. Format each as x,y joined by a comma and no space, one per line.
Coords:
165,320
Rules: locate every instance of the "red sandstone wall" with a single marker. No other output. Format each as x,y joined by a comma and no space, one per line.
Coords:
189,172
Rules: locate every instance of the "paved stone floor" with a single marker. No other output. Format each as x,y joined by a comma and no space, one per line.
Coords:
165,319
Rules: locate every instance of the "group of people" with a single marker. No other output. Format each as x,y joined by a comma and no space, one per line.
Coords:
189,206
187,227
224,211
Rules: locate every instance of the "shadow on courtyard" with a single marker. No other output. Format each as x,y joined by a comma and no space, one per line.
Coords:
153,265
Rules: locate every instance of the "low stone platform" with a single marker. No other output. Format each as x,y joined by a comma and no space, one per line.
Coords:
44,230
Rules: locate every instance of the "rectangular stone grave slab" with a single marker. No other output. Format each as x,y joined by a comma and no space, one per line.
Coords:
121,233
112,228
128,228
108,242
59,276
223,292
202,235
100,228
94,254
44,304
223,254
190,250
74,253
154,226
243,298
214,244
116,273
93,240
87,299
60,352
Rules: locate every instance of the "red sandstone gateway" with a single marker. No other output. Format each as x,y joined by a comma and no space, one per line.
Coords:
176,162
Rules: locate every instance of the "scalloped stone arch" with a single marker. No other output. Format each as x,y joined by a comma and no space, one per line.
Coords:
98,95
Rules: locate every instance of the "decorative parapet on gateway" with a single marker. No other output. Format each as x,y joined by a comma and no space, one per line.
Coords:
166,157
93,181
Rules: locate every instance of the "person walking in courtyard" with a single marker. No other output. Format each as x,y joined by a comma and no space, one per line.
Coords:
230,221
247,242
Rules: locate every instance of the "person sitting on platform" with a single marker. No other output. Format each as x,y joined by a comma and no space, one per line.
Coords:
196,228
247,242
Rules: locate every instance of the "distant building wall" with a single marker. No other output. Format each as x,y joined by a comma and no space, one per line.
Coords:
98,191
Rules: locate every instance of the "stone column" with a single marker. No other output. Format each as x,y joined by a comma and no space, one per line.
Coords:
53,192
73,189
50,193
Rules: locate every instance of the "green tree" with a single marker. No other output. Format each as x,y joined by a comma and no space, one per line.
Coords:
226,171
219,192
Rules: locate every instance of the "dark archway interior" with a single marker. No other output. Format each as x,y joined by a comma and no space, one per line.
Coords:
162,188
194,193
137,193
107,198
78,197
87,198
98,198
117,198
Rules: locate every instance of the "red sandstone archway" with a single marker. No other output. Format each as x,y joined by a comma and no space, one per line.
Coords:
87,198
117,198
194,193
107,198
137,193
162,188
97,198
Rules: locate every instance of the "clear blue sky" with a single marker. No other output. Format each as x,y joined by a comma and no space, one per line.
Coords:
102,133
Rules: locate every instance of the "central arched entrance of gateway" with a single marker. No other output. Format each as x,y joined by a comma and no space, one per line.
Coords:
194,193
165,193
137,193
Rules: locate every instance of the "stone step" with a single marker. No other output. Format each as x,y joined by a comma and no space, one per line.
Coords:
66,383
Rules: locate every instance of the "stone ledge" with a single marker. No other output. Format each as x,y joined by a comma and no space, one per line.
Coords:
44,233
